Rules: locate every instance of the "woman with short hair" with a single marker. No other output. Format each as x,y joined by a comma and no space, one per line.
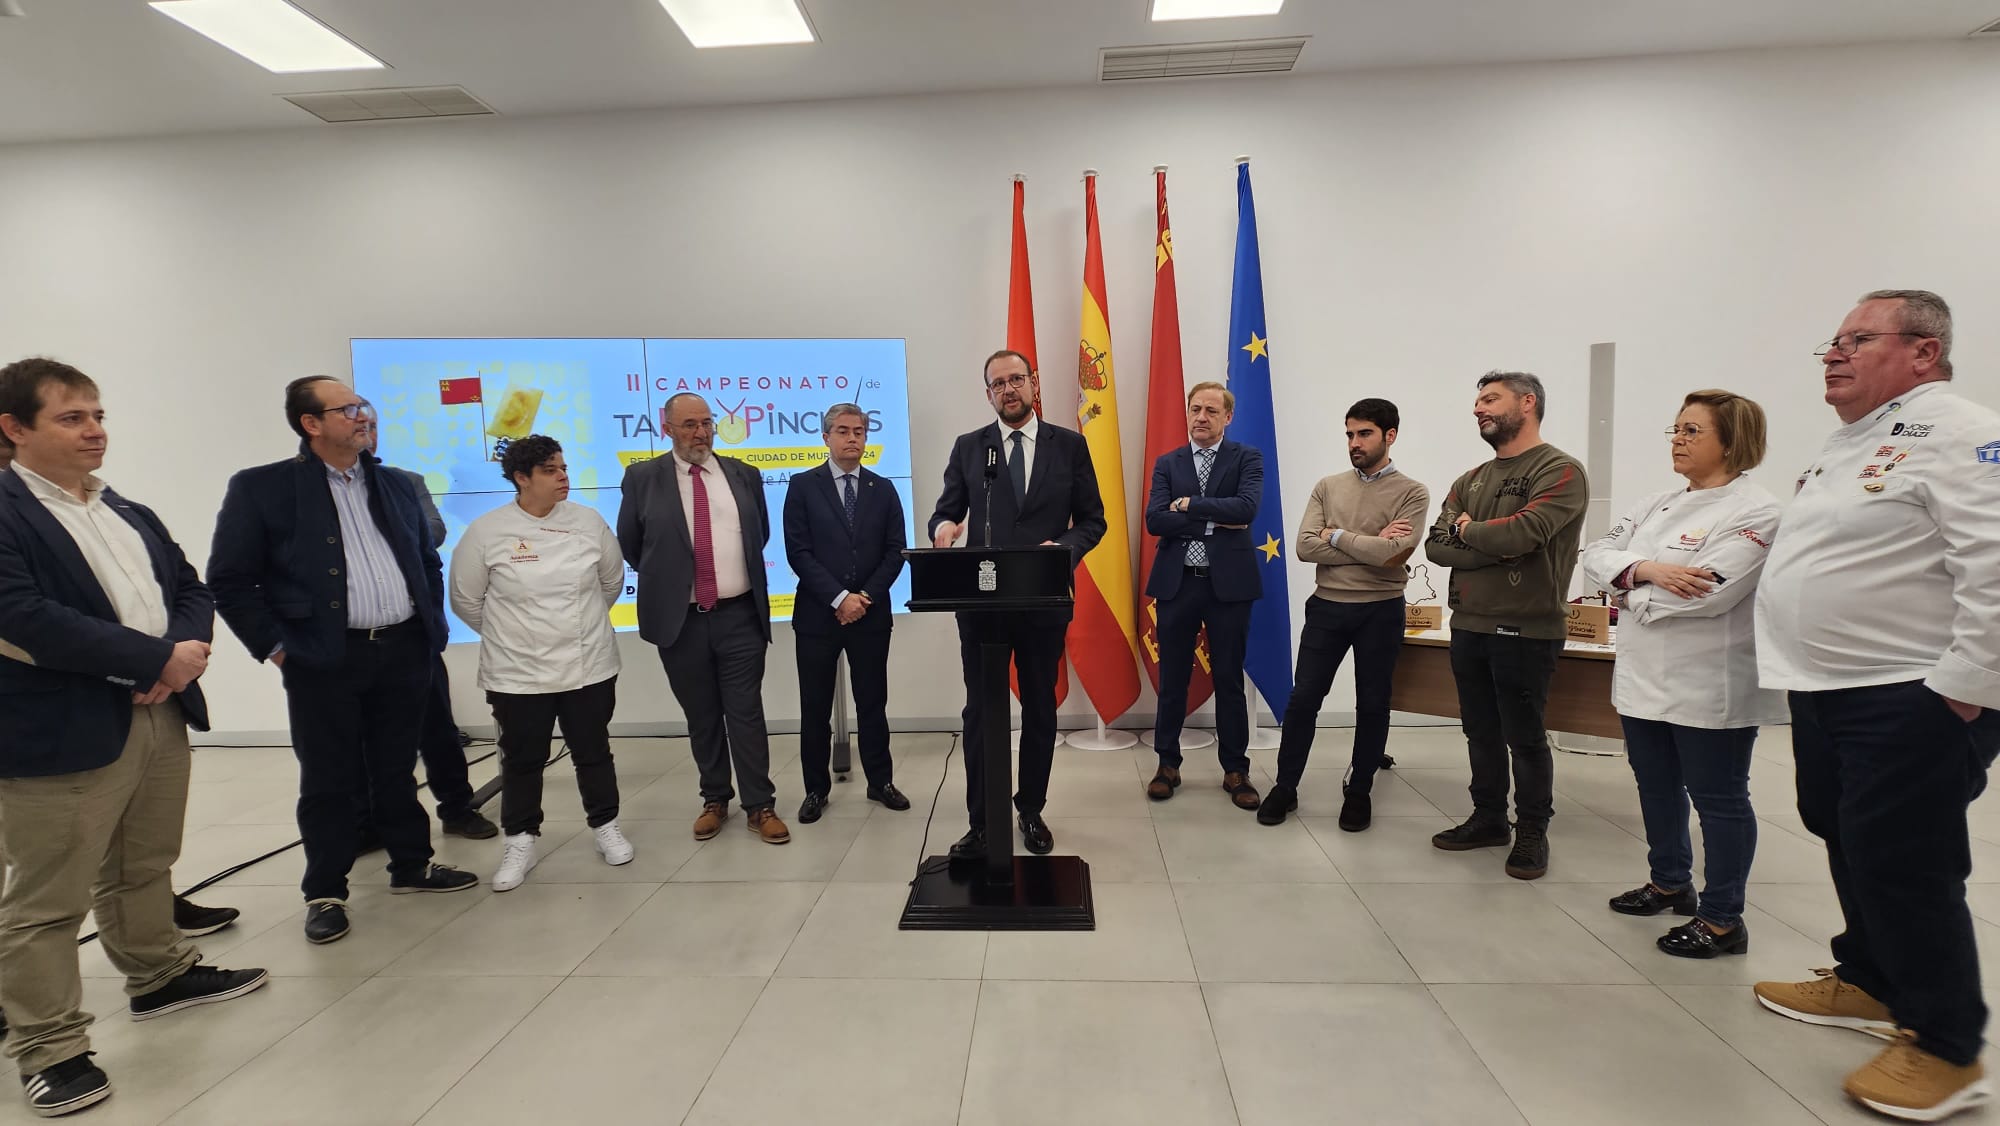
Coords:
536,578
1683,567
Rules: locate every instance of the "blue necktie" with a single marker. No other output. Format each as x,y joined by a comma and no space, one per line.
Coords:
1197,552
847,496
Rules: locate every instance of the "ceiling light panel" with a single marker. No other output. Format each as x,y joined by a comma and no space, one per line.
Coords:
271,33
1164,10
740,23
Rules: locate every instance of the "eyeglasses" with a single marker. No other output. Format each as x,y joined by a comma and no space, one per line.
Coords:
1686,433
1849,343
693,426
352,412
1011,383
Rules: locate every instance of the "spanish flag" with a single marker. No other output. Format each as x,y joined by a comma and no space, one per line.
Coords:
1103,640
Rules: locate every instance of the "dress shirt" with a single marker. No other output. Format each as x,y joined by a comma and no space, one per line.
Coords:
538,590
725,526
839,477
113,549
377,593
1030,431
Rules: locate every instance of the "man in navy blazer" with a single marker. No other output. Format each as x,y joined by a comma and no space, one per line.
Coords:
844,539
106,628
1043,490
322,565
1203,497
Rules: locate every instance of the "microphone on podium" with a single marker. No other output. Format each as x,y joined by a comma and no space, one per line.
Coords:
992,471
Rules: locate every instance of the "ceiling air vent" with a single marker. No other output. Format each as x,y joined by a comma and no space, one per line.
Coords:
390,105
1199,60
1990,29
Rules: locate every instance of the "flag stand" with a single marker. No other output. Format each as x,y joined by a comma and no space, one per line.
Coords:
1103,739
1192,738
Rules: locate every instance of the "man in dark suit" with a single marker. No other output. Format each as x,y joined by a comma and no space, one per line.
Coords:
321,565
438,742
1045,494
693,525
844,538
1203,497
107,628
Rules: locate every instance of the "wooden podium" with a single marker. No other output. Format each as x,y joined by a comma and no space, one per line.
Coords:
1004,891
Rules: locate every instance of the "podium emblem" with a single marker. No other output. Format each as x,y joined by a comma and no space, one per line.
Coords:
989,576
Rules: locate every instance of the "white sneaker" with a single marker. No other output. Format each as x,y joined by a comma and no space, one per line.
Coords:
515,863
612,845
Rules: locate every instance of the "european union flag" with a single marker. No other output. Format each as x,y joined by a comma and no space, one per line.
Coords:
1269,658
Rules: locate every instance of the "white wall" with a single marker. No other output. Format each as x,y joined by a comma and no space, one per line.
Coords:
1713,215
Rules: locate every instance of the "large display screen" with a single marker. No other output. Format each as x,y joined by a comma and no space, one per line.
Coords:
448,407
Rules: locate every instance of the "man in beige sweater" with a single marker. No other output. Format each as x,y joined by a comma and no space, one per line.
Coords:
1508,530
1359,527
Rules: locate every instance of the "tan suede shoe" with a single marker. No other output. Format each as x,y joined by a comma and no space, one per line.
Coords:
765,823
1907,1082
713,814
1827,1000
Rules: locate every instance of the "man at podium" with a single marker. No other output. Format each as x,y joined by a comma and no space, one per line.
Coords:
1016,482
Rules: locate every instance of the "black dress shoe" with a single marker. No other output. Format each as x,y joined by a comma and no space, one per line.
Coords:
200,985
1474,833
434,877
326,921
811,808
1281,800
1035,834
971,846
1649,900
473,827
1357,811
889,796
194,920
1695,940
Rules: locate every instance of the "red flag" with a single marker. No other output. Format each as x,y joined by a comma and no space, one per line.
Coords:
1166,429
452,392
1021,338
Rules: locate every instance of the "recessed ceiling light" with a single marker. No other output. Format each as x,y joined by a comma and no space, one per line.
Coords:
271,33
1213,9
740,23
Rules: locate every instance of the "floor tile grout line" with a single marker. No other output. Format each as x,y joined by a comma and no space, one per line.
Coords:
254,1056
1484,1065
971,1038
490,1048
728,1044
1724,1041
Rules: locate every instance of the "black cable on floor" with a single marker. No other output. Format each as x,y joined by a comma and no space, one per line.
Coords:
922,868
282,849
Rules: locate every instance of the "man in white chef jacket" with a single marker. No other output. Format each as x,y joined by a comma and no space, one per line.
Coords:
1879,613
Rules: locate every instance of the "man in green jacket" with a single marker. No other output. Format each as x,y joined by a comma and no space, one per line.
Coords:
1508,530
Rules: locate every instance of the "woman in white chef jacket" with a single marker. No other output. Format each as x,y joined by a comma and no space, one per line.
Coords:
536,578
1683,566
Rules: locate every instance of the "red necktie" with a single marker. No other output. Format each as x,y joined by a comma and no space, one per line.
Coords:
704,545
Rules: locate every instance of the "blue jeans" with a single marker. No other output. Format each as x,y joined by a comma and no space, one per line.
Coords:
1674,764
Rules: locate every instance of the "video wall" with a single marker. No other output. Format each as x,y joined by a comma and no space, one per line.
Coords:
448,408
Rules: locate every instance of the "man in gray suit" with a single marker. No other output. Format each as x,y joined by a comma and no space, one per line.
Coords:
693,525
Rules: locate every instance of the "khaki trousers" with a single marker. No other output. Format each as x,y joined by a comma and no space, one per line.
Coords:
103,840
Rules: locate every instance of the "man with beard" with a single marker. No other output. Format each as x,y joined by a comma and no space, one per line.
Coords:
1045,492
1509,530
1359,528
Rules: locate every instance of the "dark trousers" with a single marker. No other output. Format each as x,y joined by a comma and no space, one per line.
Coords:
1673,765
527,724
1884,778
1181,619
1503,695
716,669
1374,630
443,754
1036,641
354,730
868,670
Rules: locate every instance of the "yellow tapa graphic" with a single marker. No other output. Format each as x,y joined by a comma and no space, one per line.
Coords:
516,416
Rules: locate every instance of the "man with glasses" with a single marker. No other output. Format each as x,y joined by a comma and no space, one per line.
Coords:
1044,491
693,525
1879,613
1508,530
322,565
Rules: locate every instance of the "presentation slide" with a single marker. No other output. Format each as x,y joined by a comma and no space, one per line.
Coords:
448,408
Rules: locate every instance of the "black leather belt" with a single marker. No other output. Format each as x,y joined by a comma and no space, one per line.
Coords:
379,633
1197,572
719,604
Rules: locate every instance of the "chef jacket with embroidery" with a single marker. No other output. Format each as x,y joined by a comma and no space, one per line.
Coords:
538,589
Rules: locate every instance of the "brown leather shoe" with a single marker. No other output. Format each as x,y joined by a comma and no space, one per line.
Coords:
765,823
1240,791
713,814
1165,781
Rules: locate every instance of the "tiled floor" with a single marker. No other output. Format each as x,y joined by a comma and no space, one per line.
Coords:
1239,974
